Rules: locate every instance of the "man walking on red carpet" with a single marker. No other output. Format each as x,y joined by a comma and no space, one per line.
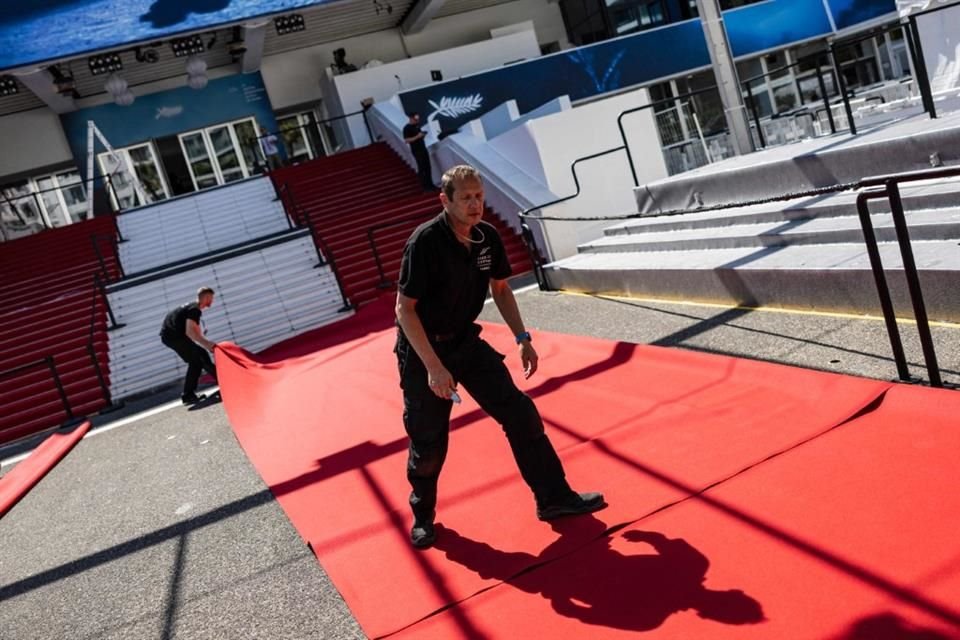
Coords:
448,265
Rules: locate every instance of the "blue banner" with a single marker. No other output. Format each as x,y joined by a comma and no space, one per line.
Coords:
625,62
847,13
33,31
171,112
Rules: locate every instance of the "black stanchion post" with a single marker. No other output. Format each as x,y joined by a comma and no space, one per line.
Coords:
384,283
756,115
60,390
913,283
842,86
883,291
526,234
826,99
920,67
106,302
100,260
626,146
96,368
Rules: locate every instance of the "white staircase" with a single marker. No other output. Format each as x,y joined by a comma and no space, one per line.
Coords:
799,254
187,226
265,293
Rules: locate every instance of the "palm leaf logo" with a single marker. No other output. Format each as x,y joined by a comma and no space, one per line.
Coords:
455,107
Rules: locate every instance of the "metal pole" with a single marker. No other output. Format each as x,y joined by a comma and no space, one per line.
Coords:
526,234
883,291
384,283
842,86
826,99
106,302
756,115
63,394
913,283
98,371
626,146
923,80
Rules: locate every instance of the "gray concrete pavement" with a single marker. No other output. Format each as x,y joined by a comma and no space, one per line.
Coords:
161,528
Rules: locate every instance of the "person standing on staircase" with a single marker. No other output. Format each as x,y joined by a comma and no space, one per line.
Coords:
181,332
413,135
448,265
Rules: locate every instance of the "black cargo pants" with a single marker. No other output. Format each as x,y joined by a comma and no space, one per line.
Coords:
479,369
195,356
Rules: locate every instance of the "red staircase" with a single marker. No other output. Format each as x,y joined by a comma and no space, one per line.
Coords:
346,195
49,311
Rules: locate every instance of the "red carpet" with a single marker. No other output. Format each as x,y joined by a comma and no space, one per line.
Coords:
28,472
648,426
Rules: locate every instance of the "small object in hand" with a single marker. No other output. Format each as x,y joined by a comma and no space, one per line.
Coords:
455,397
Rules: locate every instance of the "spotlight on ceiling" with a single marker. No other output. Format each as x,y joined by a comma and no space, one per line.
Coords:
63,80
8,86
289,24
183,47
148,55
105,63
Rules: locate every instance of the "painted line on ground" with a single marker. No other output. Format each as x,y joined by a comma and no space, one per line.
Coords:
715,305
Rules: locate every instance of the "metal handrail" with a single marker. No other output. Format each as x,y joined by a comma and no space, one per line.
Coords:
92,352
324,253
51,365
98,284
384,283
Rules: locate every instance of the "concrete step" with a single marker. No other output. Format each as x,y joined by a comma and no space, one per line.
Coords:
927,224
827,277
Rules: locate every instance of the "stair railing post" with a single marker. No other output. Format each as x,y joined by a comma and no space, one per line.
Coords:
879,278
826,98
51,365
913,283
384,283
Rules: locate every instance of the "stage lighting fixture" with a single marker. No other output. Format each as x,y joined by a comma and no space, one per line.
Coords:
183,47
8,86
105,63
289,24
148,55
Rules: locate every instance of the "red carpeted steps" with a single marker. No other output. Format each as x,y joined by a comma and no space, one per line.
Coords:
348,195
50,311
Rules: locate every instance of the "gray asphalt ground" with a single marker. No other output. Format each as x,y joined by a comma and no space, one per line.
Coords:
161,528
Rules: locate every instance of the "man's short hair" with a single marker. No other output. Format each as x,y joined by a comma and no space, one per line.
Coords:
202,291
456,174
412,114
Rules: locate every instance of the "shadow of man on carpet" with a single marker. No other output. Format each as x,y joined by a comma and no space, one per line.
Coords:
599,585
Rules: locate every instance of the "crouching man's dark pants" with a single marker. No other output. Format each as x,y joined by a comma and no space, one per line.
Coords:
479,369
196,357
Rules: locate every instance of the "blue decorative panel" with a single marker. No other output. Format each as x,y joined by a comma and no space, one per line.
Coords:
171,112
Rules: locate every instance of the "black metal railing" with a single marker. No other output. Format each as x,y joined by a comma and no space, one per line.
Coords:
324,254
50,364
105,273
889,187
872,188
92,351
386,283
101,289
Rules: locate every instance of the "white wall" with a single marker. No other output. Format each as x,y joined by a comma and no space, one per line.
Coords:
293,78
606,185
380,83
32,140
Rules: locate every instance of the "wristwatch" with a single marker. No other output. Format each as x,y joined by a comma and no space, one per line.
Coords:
524,336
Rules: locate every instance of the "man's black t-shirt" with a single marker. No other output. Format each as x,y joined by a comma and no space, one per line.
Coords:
449,281
419,147
175,322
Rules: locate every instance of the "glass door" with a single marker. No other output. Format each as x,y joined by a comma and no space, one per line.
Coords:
201,167
135,176
246,134
225,151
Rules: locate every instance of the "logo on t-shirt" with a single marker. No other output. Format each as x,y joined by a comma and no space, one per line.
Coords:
484,259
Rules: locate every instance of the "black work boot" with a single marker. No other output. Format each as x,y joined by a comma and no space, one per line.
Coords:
574,504
423,534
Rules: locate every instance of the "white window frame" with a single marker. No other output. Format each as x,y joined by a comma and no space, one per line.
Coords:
211,151
139,196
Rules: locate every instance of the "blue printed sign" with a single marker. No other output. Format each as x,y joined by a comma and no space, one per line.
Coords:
631,60
33,31
171,112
